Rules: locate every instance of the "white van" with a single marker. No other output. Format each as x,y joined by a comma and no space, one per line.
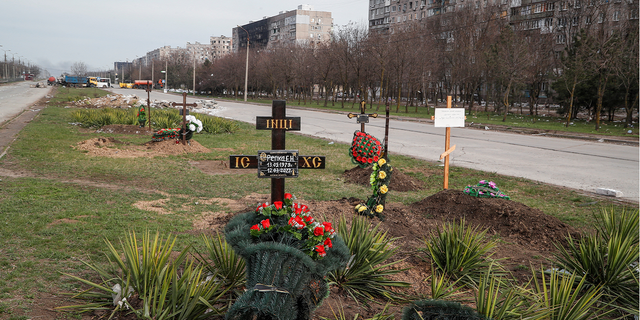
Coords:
104,83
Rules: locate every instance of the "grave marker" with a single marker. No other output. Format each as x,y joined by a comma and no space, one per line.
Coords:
362,117
148,90
278,163
184,113
448,118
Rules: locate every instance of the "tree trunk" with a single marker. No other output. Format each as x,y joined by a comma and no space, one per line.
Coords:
505,101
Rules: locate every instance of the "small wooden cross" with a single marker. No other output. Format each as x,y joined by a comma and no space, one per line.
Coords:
184,114
277,163
148,90
362,117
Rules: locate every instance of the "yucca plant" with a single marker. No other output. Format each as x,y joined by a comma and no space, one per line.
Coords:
150,284
220,259
498,298
382,315
563,297
442,287
366,274
461,252
215,125
608,259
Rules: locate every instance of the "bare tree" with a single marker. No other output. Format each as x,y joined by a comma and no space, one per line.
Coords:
79,68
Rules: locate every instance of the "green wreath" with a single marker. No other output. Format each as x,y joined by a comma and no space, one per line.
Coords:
379,180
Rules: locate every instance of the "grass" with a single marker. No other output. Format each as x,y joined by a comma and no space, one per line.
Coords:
61,215
479,117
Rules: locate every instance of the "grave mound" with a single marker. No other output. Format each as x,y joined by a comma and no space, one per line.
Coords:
510,219
399,181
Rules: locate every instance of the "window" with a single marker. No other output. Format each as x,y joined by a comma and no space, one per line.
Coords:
616,16
560,38
537,8
587,20
576,21
311,34
393,8
515,11
548,22
410,5
577,4
633,14
600,17
550,6
562,22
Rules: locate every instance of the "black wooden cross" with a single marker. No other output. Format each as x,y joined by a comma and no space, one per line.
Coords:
184,113
362,117
277,163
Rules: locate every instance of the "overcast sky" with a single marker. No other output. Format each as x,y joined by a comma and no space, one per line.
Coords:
55,34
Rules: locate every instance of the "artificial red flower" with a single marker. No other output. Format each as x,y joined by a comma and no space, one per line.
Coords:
305,208
318,231
376,158
288,196
370,160
277,204
328,243
255,227
265,223
309,219
320,250
327,226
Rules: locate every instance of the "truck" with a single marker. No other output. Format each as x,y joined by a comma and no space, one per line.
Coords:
142,84
75,81
127,84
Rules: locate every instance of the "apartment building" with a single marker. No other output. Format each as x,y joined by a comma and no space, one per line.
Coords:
302,26
220,46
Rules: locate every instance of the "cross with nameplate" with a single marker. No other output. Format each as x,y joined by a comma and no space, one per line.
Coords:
278,163
148,90
184,112
362,117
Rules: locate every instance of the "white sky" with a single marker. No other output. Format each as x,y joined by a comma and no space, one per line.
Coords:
54,34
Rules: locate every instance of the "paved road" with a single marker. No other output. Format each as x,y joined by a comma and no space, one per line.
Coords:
577,164
18,96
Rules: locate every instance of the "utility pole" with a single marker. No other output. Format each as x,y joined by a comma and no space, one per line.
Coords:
194,71
246,69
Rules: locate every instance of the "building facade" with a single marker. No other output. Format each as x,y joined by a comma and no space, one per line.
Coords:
220,46
300,26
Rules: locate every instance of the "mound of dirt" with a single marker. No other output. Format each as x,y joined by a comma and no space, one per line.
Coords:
110,147
510,219
399,181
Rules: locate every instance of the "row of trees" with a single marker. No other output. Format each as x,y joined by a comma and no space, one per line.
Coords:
481,58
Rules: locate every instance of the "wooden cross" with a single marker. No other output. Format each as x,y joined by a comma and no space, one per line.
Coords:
447,150
148,90
278,163
362,117
184,114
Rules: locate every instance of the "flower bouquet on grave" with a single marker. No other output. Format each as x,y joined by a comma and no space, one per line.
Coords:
142,116
379,180
193,125
287,253
365,149
485,189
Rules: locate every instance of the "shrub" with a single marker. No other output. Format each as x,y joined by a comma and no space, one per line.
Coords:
458,252
151,284
365,275
608,259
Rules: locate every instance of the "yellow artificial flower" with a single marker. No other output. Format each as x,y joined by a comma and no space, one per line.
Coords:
382,175
362,208
384,189
381,162
379,208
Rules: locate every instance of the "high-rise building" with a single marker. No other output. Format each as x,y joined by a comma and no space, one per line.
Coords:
302,26
220,46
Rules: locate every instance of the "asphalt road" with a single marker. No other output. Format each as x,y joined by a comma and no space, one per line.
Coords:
16,97
576,164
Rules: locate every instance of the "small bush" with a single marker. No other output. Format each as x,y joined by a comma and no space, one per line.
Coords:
458,252
365,275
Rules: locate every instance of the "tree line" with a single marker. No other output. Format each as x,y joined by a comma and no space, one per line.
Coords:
583,60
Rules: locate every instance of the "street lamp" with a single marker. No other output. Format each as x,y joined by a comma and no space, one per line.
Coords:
246,69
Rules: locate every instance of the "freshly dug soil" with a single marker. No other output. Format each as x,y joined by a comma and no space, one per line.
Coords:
399,181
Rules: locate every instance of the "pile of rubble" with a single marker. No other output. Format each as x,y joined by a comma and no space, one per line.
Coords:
38,85
110,100
129,101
